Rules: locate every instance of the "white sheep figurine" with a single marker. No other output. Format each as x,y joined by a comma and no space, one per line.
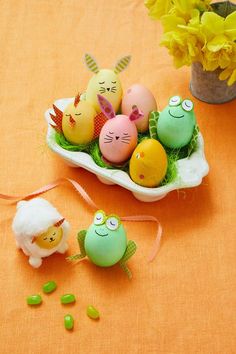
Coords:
39,230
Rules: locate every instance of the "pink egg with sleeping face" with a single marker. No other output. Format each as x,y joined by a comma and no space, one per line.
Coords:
138,95
118,137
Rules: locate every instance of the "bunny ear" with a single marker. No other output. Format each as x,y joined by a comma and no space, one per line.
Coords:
136,114
91,63
106,107
122,64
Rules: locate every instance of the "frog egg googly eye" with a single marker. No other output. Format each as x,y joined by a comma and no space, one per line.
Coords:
187,105
113,222
174,101
99,217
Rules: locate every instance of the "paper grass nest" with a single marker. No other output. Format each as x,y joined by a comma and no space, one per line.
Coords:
77,135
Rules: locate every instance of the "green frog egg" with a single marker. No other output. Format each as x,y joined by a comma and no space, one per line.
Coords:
175,126
103,246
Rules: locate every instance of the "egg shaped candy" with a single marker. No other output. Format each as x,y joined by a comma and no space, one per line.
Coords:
138,95
148,164
176,123
118,137
105,82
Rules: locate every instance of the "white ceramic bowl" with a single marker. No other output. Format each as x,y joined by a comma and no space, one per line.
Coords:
190,171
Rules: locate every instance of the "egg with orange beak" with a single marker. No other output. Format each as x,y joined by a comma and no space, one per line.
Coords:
79,122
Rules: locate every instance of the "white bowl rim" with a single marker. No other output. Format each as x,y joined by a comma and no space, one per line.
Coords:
190,170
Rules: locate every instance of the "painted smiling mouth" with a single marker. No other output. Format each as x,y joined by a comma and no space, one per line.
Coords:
175,116
101,235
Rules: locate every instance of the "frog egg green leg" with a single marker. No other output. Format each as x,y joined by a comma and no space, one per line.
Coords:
153,118
193,142
80,238
130,251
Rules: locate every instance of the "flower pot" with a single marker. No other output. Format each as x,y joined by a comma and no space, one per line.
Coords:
206,86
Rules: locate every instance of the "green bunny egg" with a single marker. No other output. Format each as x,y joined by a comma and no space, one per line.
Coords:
176,123
103,246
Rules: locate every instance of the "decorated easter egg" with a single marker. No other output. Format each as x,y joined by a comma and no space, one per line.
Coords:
138,95
78,122
118,137
108,84
148,164
105,82
106,240
176,123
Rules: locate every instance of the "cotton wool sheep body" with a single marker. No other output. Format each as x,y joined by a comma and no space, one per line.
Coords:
40,230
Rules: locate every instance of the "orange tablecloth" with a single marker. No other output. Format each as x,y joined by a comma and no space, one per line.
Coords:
184,302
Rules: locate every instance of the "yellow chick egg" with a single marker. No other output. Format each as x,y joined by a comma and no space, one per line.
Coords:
78,122
148,164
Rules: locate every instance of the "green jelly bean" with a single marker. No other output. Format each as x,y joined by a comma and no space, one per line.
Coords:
34,300
92,312
67,298
68,322
49,287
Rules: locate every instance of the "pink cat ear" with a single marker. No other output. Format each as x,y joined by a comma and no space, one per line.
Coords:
106,107
136,114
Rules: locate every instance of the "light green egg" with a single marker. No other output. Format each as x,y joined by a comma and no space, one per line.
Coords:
176,123
105,247
105,242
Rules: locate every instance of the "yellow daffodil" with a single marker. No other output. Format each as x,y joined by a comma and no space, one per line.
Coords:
183,46
230,72
158,8
194,33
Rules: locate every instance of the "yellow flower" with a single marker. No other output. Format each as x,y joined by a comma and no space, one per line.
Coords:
213,25
184,8
230,72
184,40
220,48
158,8
183,46
192,33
